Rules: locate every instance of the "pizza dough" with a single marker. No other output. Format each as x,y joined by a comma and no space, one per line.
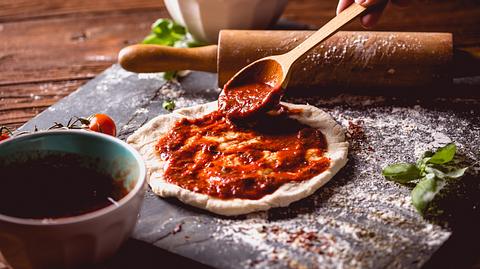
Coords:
145,138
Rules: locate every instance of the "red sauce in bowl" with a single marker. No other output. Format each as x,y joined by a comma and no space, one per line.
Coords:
55,185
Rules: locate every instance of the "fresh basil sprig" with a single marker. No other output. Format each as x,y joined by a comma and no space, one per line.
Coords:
402,172
430,174
169,33
165,32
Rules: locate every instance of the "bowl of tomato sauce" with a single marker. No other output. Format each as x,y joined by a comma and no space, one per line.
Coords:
68,198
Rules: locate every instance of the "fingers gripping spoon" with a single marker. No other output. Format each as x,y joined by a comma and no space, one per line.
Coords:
260,85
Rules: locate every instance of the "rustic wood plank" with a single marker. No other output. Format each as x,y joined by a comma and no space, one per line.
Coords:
462,18
67,47
55,41
11,10
19,103
53,56
88,45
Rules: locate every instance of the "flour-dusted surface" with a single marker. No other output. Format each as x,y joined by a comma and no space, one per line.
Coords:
357,220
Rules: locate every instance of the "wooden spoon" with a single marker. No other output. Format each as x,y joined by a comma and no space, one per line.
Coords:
260,85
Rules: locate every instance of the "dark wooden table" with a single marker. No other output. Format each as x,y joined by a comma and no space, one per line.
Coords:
48,48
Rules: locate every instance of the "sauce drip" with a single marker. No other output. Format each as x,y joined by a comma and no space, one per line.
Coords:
247,100
210,155
55,186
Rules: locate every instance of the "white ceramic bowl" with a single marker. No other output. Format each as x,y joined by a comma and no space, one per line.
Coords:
83,239
205,18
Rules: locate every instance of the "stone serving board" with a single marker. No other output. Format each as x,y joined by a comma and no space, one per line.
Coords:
357,220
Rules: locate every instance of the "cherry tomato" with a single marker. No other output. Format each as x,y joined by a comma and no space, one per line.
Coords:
4,136
102,123
5,133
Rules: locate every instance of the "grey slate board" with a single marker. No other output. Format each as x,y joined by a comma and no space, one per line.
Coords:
357,220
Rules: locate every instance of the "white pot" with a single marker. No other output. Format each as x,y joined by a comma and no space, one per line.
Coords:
205,18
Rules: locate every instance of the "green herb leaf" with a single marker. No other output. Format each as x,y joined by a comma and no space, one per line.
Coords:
161,26
401,172
154,39
444,154
457,173
178,30
169,105
422,162
425,191
427,154
165,32
422,165
168,29
434,171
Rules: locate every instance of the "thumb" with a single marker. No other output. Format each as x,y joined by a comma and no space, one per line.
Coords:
369,3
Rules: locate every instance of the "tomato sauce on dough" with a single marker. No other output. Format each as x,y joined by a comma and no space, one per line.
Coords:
213,156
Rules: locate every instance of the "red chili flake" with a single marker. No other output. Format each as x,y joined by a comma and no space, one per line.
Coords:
355,129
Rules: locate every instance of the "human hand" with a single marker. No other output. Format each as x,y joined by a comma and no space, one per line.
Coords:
3,263
371,18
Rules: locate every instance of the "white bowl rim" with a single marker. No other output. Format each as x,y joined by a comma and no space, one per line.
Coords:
91,215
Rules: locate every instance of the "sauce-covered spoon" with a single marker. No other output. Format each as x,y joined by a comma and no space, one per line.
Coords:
259,86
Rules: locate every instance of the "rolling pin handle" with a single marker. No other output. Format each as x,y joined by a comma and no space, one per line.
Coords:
144,58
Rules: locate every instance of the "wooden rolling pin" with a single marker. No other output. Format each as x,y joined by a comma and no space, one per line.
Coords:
347,59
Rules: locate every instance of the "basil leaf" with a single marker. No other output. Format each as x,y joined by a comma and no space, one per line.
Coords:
401,172
154,39
165,32
161,26
429,176
434,171
444,154
425,191
427,154
424,158
422,164
178,30
457,173
169,33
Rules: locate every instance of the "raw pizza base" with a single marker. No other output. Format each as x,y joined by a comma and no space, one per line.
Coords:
145,138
